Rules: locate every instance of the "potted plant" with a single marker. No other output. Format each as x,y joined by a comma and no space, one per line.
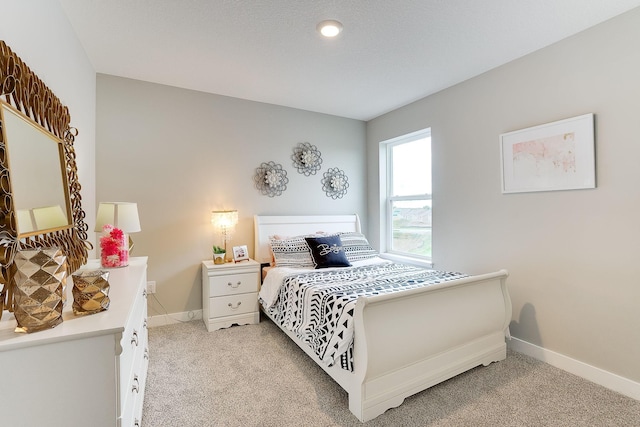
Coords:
218,254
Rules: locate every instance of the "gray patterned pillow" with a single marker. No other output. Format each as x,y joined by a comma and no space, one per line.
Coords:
291,251
357,247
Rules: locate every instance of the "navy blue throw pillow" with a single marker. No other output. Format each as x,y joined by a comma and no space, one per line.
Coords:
327,252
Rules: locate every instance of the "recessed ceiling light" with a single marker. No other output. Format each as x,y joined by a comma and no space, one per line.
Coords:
329,28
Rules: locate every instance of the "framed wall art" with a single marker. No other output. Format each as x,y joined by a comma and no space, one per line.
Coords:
240,253
554,156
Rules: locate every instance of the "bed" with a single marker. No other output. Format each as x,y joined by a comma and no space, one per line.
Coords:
442,329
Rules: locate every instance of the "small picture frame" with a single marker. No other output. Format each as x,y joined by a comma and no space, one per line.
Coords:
240,253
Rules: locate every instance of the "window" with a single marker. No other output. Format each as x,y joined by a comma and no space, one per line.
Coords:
408,195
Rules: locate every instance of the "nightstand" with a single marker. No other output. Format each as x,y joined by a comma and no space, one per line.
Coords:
230,294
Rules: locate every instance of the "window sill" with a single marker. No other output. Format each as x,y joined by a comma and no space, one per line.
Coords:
407,260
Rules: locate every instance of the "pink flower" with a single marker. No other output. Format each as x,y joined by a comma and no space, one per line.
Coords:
117,234
113,246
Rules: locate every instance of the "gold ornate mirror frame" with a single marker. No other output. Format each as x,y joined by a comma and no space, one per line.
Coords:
22,89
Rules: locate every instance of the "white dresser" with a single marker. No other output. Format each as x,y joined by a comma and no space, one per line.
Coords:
230,294
87,371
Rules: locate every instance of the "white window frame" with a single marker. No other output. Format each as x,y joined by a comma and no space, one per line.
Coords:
386,170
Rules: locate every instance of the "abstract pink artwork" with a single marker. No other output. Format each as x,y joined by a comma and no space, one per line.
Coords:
555,156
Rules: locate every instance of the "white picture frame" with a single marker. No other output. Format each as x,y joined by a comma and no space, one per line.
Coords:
240,253
550,157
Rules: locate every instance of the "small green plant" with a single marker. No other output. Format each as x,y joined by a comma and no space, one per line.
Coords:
218,250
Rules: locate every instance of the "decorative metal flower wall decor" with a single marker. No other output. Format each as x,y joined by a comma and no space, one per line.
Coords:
335,183
270,179
307,158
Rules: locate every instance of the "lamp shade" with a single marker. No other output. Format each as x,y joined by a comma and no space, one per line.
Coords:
25,222
49,217
122,215
224,219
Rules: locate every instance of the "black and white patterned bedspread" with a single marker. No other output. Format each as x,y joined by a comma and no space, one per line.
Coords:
318,306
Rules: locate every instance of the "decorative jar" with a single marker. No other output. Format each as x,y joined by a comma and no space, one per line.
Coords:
90,291
114,247
39,281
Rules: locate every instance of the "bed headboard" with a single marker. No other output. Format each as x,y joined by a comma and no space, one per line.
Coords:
295,225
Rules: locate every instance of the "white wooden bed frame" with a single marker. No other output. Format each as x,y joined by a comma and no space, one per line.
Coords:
406,342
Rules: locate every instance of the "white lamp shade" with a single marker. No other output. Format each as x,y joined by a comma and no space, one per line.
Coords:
49,217
122,215
224,219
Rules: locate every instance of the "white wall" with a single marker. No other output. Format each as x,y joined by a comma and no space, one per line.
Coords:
180,154
38,32
572,255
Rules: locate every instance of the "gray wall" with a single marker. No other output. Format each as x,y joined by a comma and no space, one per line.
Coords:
572,255
180,154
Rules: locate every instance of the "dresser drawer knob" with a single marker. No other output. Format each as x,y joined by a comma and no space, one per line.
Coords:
237,285
146,353
136,423
235,307
136,385
134,338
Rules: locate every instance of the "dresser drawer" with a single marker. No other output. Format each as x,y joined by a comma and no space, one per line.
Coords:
134,393
232,284
233,304
134,351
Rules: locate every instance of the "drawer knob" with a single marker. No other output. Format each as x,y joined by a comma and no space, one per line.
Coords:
136,385
237,285
144,293
136,423
134,338
236,306
146,353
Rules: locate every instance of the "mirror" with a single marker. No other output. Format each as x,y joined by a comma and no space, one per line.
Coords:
38,178
40,202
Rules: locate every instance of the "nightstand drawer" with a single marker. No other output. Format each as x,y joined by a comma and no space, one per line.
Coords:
232,284
233,304
230,294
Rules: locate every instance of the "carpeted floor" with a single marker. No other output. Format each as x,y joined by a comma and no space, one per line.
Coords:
255,376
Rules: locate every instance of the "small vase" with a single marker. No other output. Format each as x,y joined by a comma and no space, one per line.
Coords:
90,292
218,258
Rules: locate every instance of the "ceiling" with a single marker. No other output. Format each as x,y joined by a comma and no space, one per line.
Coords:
390,53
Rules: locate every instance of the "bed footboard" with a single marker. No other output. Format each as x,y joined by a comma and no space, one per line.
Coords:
407,342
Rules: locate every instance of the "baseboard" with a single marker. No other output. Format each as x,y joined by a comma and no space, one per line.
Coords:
168,319
596,375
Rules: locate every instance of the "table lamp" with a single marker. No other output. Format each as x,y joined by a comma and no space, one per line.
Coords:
226,221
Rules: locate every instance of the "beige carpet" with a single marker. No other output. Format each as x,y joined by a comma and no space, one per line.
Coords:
255,376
